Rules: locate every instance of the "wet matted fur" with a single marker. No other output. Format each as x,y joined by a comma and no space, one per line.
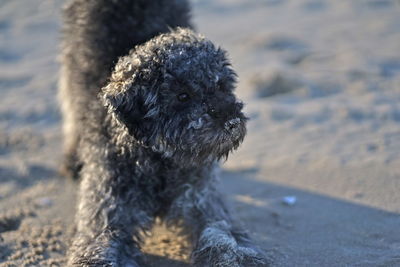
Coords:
148,110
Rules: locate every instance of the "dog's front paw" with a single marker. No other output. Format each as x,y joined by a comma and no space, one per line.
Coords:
218,248
101,258
93,261
103,251
228,257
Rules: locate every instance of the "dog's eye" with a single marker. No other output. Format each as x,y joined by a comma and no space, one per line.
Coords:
220,87
183,97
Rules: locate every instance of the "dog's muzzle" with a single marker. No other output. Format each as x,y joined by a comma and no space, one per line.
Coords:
233,128
232,124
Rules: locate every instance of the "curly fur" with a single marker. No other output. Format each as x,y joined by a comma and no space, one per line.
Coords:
146,134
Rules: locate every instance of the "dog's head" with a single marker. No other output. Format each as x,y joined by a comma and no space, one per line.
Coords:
174,94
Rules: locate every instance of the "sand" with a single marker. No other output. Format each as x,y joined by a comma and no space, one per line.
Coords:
321,83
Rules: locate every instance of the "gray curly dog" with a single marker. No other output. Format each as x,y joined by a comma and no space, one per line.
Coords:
149,110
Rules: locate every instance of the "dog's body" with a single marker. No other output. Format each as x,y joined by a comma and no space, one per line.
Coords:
148,145
95,34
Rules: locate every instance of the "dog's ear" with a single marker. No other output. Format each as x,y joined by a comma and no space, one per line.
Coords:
125,104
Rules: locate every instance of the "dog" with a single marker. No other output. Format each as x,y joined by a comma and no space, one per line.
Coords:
145,135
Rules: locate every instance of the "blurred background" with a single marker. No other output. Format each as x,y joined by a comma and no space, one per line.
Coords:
317,179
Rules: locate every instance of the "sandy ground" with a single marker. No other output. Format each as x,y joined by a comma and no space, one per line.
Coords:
321,80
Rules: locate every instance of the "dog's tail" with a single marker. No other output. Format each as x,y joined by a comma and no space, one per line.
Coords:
97,32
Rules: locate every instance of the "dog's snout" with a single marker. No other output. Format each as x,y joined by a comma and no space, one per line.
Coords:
222,110
232,124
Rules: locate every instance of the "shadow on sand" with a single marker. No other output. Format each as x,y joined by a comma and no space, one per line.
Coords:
317,230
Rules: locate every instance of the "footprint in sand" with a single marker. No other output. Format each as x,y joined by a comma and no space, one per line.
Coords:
12,220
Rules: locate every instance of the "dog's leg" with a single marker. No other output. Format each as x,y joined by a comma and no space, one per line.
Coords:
218,239
110,215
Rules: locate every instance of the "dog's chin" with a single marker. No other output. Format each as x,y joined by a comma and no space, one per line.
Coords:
230,143
221,141
225,143
204,154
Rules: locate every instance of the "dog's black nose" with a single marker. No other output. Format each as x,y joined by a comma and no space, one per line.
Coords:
232,124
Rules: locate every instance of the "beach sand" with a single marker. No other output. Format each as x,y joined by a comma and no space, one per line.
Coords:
317,178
